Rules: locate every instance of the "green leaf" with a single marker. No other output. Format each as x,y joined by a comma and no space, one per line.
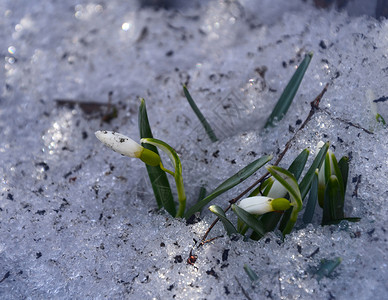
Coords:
299,163
200,116
304,185
338,174
270,220
158,178
229,183
218,211
312,200
343,166
251,274
249,219
288,181
289,92
332,203
350,219
264,188
202,193
326,267
380,119
241,227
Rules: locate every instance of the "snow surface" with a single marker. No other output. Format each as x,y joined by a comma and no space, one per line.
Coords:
78,221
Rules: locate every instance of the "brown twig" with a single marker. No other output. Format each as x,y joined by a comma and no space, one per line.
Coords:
348,122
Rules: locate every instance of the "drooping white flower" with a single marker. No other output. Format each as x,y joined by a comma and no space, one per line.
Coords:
128,147
259,205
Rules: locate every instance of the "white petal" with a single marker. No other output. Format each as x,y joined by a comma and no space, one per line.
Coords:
277,190
256,205
120,143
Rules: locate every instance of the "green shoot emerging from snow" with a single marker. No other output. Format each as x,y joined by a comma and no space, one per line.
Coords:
276,201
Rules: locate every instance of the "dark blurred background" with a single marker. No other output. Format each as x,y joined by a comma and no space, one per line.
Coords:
374,8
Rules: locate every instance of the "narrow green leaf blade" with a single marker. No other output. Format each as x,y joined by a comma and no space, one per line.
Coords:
270,220
304,185
299,163
218,211
287,179
343,166
251,274
241,227
250,220
350,219
312,200
289,93
158,178
202,193
200,116
229,183
341,201
332,203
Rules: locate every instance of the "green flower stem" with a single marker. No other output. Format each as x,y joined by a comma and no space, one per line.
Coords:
181,196
166,170
177,174
291,222
180,189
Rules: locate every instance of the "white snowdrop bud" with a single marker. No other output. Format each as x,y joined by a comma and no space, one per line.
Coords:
128,147
260,205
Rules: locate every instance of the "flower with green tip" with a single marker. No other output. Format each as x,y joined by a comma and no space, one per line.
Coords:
260,205
128,147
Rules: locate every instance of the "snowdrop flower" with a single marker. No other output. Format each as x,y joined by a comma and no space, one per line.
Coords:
128,147
260,205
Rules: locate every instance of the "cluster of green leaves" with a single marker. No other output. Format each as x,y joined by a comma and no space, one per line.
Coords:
328,190
333,194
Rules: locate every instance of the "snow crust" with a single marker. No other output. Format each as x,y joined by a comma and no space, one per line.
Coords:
78,221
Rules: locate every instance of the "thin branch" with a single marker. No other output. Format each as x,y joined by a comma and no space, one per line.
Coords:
347,122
